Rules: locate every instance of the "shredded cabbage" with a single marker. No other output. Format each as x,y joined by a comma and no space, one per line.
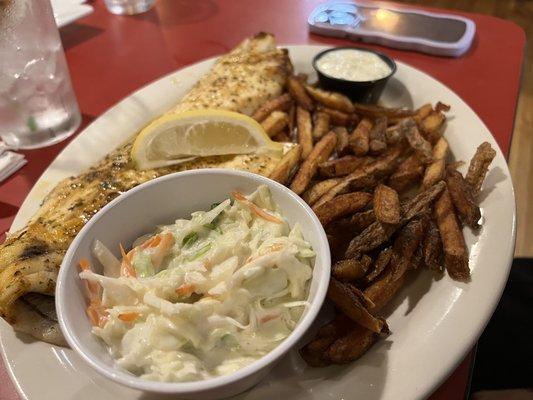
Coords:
222,290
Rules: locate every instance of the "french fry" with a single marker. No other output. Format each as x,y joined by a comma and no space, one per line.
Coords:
373,111
275,123
381,291
342,166
418,204
420,145
298,92
304,127
316,191
353,225
342,140
422,112
378,140
282,137
405,246
288,163
442,107
292,119
351,269
408,174
346,301
333,100
361,220
382,261
342,205
463,198
386,205
441,149
309,167
455,251
432,126
359,140
432,247
479,166
351,346
365,175
302,77
339,118
314,352
280,103
434,173
321,124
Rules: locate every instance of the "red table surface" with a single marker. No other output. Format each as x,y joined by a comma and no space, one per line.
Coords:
110,56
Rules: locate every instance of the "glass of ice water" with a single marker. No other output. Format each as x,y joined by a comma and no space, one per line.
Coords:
37,104
129,7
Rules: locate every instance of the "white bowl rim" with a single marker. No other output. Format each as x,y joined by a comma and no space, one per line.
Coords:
133,381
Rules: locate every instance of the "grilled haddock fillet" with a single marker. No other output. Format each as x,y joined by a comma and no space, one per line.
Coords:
252,73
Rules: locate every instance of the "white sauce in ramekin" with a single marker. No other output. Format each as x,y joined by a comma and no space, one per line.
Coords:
353,65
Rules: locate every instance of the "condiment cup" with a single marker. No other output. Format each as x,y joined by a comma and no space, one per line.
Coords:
358,91
161,201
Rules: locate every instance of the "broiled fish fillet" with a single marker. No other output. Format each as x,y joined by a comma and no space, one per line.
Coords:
241,81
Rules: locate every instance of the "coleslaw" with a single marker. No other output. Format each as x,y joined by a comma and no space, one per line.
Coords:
204,296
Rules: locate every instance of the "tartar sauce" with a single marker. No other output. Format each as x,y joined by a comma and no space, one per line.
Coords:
205,296
353,65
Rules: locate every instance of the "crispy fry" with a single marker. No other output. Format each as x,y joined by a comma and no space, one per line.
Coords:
342,140
351,346
351,269
333,100
288,163
282,137
432,247
432,126
442,107
321,124
366,174
309,167
302,77
280,103
440,150
350,226
292,119
434,173
373,111
298,92
342,205
275,123
420,203
405,246
359,140
420,145
378,140
382,261
463,198
304,126
479,166
422,112
316,191
455,251
362,220
408,174
314,352
386,205
338,117
342,296
381,291
342,166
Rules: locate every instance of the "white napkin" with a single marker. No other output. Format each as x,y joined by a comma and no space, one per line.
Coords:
10,162
67,11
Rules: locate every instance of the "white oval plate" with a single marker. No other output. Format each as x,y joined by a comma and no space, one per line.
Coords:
434,323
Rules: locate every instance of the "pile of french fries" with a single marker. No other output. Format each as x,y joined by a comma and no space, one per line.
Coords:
380,181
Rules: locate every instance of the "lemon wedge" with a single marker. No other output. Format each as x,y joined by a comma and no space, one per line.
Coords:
176,138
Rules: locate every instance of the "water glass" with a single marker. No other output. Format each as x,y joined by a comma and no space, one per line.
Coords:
37,104
129,7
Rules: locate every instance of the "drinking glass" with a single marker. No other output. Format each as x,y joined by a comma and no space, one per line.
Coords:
37,104
129,7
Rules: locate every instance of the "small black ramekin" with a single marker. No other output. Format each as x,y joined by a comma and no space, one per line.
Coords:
358,91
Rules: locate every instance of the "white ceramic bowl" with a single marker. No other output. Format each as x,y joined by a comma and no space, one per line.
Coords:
161,201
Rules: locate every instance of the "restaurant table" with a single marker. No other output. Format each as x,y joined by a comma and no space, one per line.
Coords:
111,56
